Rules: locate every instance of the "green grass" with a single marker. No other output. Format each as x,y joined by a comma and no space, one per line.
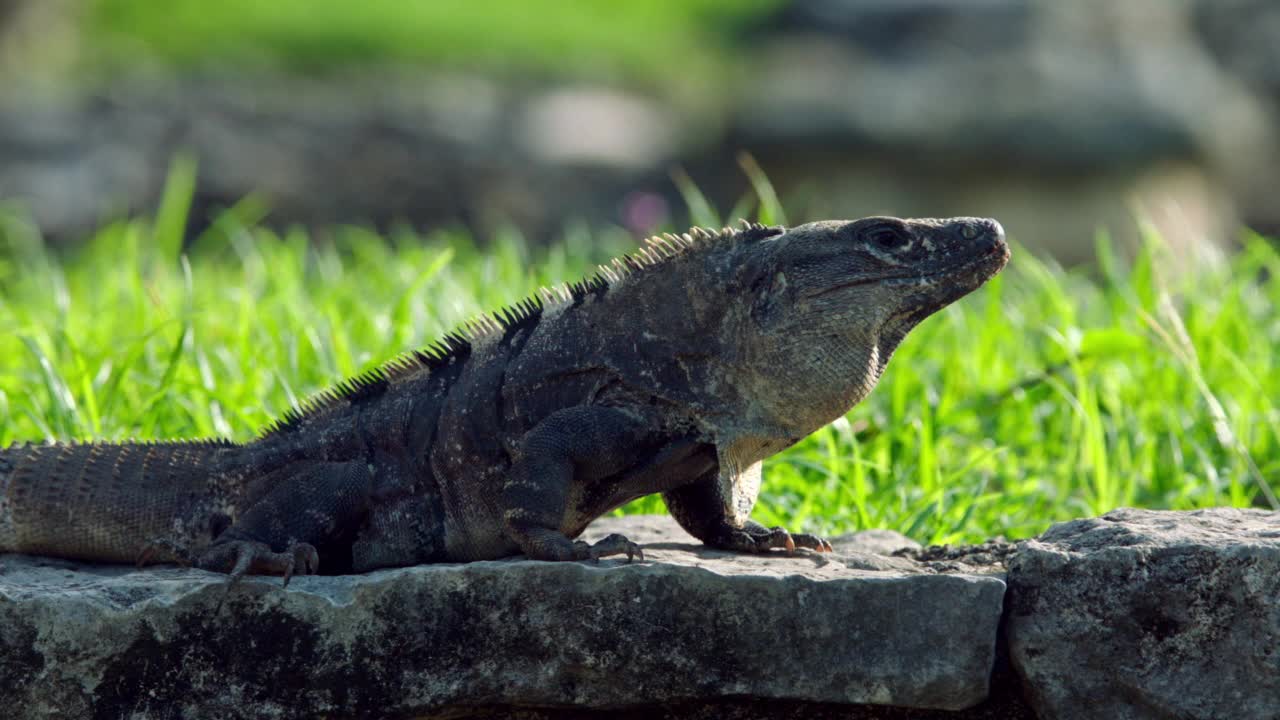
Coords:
628,39
1047,395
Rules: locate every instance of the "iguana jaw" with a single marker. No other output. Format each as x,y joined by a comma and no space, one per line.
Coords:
979,258
980,268
857,277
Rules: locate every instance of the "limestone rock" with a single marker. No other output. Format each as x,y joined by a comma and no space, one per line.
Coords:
879,542
687,624
1147,614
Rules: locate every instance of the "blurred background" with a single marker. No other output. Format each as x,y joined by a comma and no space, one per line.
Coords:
1058,118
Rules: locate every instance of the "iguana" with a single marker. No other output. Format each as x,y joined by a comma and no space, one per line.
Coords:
676,369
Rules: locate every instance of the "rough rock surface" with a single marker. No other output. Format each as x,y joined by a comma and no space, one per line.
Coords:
687,624
1145,614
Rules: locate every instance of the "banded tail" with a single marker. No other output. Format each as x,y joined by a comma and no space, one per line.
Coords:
103,501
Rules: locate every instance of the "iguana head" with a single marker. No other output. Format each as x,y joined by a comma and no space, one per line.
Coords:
871,276
830,301
880,271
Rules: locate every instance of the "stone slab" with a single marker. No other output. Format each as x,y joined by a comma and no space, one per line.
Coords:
1150,614
689,623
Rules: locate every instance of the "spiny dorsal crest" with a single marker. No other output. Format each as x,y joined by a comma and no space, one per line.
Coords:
455,347
193,443
660,248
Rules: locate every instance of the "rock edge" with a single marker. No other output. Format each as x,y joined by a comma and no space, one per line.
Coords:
689,624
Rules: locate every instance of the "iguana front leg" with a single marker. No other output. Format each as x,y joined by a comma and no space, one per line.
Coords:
700,509
574,445
278,534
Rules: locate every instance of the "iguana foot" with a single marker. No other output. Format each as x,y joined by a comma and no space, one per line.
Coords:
614,544
239,557
540,543
760,539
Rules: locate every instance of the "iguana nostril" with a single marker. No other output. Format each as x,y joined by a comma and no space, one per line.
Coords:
974,228
994,228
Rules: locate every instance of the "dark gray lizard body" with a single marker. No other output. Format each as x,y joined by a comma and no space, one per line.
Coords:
675,370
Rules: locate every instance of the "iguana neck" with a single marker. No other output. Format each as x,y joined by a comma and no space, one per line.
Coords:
823,380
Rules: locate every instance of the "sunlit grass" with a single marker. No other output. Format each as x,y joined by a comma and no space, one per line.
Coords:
1044,396
637,40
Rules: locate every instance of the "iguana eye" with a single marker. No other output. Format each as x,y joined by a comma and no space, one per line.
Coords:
885,237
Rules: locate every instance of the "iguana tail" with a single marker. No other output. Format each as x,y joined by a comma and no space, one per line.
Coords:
105,502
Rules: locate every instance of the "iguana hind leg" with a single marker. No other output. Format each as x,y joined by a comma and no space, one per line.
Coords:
278,534
571,446
700,510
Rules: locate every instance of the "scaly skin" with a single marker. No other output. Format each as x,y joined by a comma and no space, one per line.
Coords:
675,370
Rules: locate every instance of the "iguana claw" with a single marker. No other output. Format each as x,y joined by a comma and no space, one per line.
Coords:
762,540
304,557
238,557
614,544
812,542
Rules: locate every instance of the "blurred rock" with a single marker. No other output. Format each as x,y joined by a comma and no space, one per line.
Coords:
597,127
1244,38
1148,614
427,150
1070,86
39,42
1060,119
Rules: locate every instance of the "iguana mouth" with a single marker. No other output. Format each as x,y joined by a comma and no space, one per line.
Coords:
983,258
